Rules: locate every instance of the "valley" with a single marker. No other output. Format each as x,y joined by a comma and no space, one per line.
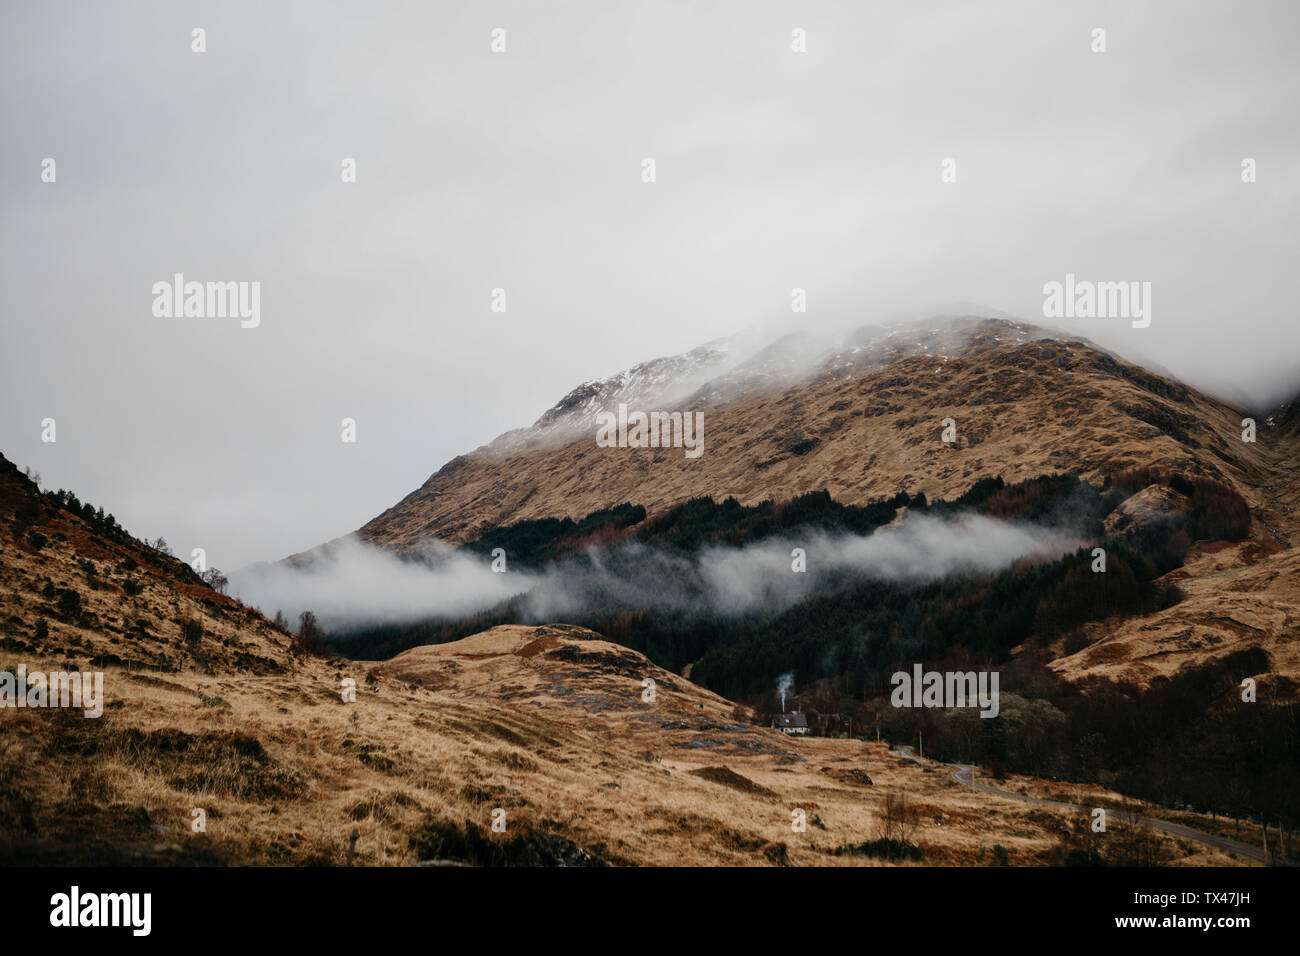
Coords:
507,737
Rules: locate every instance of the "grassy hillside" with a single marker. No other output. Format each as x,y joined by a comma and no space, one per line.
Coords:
212,708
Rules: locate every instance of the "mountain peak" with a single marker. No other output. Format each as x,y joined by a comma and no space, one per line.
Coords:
860,414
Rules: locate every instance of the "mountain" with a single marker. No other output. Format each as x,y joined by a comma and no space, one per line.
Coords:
208,706
863,419
657,382
222,740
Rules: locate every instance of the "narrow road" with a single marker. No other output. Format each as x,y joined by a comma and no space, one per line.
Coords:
965,774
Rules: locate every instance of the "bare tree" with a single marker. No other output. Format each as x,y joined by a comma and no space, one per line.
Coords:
214,579
899,820
310,636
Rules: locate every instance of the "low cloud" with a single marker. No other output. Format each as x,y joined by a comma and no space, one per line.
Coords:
728,581
349,582
353,584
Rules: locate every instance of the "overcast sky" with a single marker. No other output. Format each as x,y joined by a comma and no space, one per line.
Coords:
522,170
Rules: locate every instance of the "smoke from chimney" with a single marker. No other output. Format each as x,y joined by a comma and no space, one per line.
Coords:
784,685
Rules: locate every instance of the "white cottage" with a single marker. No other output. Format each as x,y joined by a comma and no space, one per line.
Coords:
793,723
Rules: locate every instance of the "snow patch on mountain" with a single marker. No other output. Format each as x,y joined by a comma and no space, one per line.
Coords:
727,370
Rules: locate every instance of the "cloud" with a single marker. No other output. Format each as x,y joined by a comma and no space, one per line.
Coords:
353,584
350,583
729,581
521,171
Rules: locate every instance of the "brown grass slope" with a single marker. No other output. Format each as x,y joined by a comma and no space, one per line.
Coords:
549,725
1021,410
1237,596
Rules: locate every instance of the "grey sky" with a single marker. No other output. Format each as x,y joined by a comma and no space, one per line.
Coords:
522,170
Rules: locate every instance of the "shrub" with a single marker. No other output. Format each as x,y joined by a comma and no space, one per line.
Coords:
131,586
37,540
192,631
28,513
882,849
92,573
310,636
1078,845
69,603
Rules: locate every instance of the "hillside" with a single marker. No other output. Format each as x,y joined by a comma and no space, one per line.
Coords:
864,421
210,706
1235,600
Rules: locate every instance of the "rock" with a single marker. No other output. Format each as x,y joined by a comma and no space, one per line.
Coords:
1156,508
